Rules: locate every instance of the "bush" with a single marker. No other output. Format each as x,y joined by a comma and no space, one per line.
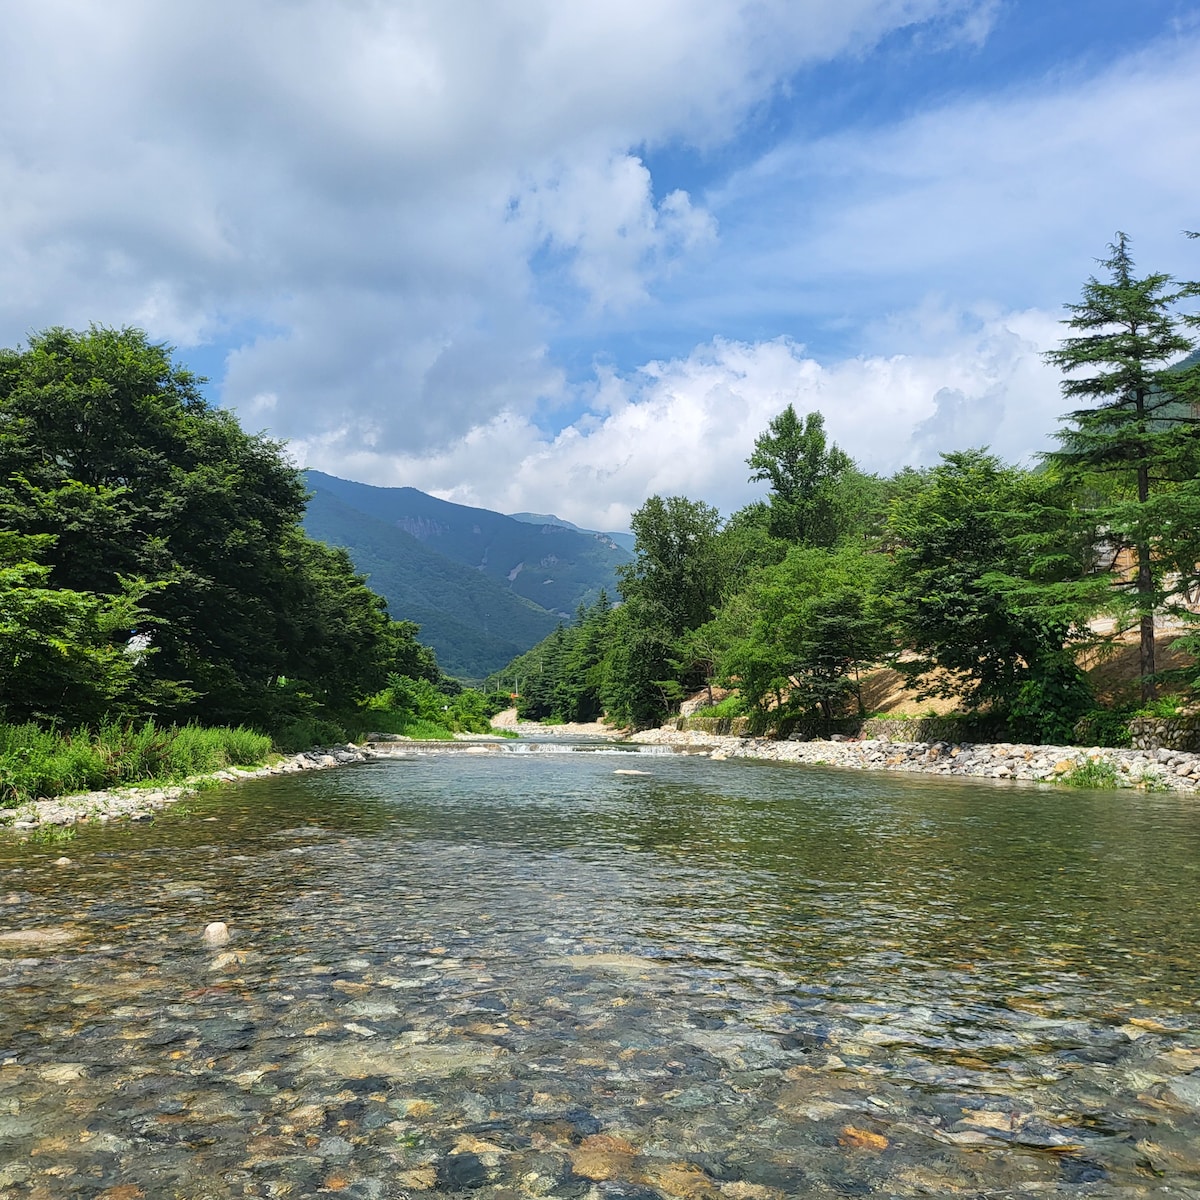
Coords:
731,706
1103,727
408,703
304,732
1095,773
36,762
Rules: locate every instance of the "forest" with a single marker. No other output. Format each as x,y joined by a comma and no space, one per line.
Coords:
156,583
981,579
163,610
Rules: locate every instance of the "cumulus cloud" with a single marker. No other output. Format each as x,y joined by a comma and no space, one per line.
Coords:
369,183
603,217
687,425
393,214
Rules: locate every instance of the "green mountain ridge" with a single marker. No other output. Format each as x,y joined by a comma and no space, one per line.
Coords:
625,540
483,586
472,624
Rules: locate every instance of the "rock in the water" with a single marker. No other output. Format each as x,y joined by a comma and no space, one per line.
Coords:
1185,1091
216,933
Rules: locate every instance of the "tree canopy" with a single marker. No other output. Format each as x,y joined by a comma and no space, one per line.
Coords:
1141,434
136,510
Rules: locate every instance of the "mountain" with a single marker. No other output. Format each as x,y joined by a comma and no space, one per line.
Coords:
625,540
483,587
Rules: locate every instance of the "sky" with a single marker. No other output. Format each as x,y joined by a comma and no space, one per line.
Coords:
547,256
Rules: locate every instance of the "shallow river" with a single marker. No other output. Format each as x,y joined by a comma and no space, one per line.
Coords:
536,974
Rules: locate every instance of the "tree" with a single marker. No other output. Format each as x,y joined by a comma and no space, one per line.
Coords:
638,684
675,580
987,585
65,656
1142,432
803,629
806,475
109,450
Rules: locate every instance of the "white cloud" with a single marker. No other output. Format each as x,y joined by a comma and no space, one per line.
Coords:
1008,198
603,215
687,426
369,180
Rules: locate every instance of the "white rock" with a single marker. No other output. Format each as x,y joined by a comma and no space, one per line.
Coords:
216,933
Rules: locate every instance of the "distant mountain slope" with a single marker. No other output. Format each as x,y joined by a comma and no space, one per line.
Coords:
555,567
625,540
473,623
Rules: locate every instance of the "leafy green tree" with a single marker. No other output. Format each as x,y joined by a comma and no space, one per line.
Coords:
986,584
108,448
1141,430
675,580
802,631
638,674
807,475
65,656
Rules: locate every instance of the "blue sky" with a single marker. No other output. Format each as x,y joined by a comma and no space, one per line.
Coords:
559,257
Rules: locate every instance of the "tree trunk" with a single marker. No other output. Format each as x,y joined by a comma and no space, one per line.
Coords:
1145,587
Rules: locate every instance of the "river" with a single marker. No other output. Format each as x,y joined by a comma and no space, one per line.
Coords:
536,973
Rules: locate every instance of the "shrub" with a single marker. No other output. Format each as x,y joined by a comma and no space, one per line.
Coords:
731,706
1094,773
36,762
1103,727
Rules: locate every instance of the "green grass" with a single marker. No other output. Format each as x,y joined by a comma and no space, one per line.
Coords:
731,706
428,731
1095,773
40,763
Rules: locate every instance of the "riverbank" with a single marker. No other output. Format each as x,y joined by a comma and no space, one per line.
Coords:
140,802
508,720
1151,770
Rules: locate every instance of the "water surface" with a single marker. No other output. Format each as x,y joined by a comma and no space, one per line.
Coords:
525,974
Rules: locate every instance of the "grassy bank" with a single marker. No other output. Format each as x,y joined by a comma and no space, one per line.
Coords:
39,763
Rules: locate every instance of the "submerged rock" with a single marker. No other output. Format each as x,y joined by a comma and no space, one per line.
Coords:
216,933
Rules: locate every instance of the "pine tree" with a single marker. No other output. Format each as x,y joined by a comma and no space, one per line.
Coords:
1139,442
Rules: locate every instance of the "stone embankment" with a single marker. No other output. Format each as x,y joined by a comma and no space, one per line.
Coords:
1153,770
138,803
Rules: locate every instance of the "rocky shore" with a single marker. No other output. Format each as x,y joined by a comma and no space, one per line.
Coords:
1152,770
138,803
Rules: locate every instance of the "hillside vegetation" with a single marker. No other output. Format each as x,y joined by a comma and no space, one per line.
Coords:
482,586
985,585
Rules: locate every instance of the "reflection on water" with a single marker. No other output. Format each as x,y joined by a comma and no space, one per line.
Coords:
534,975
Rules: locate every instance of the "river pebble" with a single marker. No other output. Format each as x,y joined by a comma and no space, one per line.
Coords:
1151,770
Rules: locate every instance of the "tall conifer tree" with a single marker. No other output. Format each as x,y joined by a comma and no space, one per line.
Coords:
1142,432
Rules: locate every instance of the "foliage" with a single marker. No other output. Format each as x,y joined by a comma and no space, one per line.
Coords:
805,474
65,654
1093,773
675,580
561,677
731,706
1102,727
994,608
797,637
1141,431
37,762
152,561
417,707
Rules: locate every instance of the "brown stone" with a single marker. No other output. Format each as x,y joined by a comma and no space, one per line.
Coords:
862,1139
684,1180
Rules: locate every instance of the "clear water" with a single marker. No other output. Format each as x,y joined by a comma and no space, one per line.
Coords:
536,974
